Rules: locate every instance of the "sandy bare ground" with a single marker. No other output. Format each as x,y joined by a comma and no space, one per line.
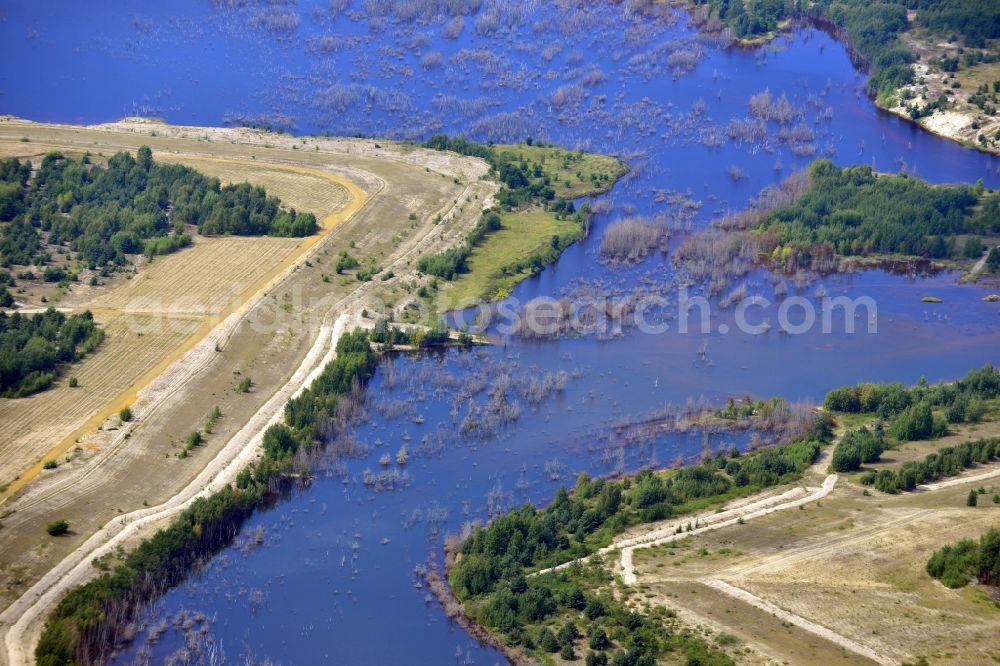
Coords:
962,122
849,571
801,622
791,499
399,182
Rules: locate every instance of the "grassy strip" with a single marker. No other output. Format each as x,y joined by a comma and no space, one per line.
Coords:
85,626
535,218
526,242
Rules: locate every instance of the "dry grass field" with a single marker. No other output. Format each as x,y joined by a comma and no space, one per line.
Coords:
134,345
299,189
852,564
204,279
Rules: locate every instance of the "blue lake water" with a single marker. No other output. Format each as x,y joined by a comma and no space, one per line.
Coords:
333,580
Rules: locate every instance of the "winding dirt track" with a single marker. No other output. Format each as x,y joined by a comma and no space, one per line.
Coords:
791,499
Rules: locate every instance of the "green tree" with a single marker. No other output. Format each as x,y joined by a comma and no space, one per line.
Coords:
973,248
547,641
993,260
568,633
914,423
599,639
597,659
989,558
279,441
57,528
972,498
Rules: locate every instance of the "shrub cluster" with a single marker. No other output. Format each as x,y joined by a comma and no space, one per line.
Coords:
956,565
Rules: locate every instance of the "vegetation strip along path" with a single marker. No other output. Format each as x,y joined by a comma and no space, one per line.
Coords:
667,532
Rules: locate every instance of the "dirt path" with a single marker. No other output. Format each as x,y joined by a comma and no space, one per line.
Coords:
979,264
982,476
667,532
788,560
798,621
789,500
748,510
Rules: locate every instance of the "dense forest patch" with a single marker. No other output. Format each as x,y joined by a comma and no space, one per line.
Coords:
35,349
132,205
853,211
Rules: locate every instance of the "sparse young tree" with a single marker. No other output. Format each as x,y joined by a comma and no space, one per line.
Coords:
547,640
599,639
57,528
